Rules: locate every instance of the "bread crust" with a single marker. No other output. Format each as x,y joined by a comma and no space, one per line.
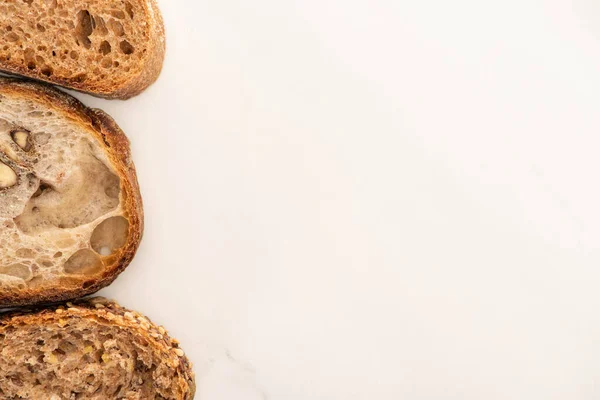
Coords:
104,128
99,310
131,87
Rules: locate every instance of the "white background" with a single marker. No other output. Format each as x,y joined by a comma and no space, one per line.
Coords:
374,199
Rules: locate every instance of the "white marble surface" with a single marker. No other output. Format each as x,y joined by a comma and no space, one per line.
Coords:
374,199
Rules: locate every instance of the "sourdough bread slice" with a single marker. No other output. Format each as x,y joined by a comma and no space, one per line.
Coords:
71,214
92,349
112,49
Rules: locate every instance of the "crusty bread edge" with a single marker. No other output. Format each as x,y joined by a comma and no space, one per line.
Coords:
107,312
135,85
155,59
104,128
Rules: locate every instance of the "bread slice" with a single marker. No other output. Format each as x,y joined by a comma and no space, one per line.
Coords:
71,215
92,349
112,49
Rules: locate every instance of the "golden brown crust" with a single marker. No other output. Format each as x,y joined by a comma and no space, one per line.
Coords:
131,87
154,60
104,128
102,311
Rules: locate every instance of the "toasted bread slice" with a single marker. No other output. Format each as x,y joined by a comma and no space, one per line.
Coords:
71,214
112,49
92,349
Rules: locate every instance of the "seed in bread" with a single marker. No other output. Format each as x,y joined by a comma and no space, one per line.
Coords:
70,209
21,138
8,177
112,49
92,349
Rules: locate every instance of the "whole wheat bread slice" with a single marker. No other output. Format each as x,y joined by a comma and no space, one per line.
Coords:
112,49
92,349
71,214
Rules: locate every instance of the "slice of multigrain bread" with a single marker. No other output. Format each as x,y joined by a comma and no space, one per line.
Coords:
90,349
71,214
112,49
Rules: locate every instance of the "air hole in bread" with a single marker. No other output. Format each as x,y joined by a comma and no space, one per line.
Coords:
25,253
110,235
84,28
106,62
16,270
83,262
101,28
105,47
44,187
117,14
47,70
29,57
81,198
12,37
116,27
129,9
41,138
126,47
112,189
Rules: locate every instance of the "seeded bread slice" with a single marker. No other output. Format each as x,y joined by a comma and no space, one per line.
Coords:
112,49
71,214
91,349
